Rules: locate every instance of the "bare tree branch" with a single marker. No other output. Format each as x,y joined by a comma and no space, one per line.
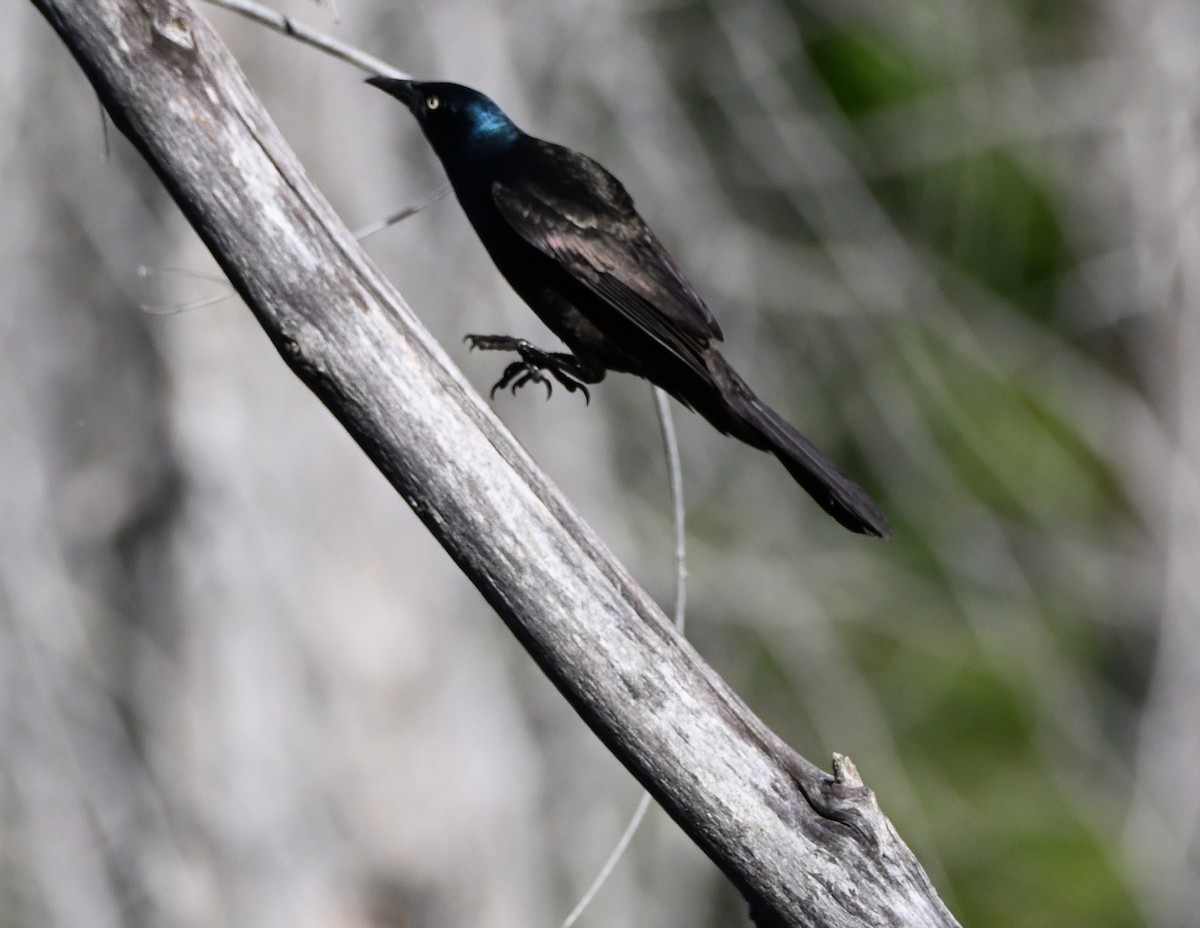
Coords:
803,847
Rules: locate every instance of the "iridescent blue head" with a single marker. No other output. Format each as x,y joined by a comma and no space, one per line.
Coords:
457,120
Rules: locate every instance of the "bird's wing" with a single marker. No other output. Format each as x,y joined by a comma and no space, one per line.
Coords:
578,214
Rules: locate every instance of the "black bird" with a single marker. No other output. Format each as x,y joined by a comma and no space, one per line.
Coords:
565,235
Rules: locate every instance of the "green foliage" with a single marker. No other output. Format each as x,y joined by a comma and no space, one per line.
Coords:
862,72
990,649
991,218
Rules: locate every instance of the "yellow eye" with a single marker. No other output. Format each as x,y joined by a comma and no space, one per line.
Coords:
432,102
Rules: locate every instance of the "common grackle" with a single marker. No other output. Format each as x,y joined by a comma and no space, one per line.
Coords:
565,235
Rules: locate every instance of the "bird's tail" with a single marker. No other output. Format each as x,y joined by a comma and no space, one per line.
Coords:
836,493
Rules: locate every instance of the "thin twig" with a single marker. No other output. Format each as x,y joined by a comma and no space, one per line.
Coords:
334,12
662,405
107,150
666,422
144,271
400,215
370,229
610,865
296,30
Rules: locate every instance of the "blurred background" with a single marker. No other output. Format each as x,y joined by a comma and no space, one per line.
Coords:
954,242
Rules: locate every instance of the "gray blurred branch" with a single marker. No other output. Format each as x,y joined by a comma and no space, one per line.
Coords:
803,847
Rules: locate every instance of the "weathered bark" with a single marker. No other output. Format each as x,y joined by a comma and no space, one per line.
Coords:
803,847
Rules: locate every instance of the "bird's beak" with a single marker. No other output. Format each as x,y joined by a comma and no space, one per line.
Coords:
404,91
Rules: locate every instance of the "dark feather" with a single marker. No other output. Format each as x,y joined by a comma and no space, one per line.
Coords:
578,214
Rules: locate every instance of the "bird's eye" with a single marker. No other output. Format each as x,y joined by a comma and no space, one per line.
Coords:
432,102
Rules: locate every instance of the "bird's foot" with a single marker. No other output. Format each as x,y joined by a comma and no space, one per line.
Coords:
533,366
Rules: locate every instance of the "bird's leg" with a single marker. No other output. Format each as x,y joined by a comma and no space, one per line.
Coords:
535,363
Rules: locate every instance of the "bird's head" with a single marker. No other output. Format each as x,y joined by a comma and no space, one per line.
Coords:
457,120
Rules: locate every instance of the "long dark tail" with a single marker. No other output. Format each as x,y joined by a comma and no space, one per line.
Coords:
836,493
747,417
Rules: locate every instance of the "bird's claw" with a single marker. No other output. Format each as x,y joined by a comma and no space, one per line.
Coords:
496,343
517,375
572,385
532,368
